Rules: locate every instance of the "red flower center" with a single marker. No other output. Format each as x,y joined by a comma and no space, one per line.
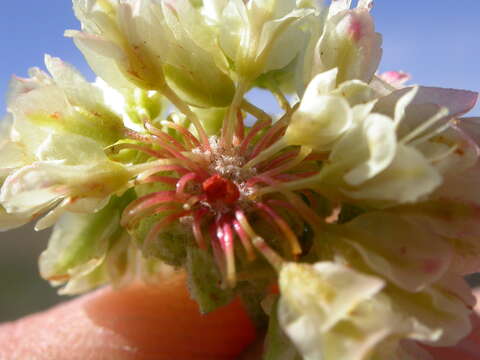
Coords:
217,188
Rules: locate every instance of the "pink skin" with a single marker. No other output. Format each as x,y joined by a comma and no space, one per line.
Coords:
137,322
159,322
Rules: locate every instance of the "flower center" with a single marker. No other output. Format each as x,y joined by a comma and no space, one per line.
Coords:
218,188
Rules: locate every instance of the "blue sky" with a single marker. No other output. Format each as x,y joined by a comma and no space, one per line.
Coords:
435,41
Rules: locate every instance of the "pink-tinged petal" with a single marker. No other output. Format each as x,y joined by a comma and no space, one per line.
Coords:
458,102
408,254
467,349
471,127
351,44
395,78
457,221
19,86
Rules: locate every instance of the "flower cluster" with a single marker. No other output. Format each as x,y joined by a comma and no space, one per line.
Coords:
350,218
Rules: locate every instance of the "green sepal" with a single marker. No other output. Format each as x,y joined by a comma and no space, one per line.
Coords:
212,119
251,294
214,91
103,128
204,281
169,246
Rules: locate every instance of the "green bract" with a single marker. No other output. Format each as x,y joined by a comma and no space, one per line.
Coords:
359,200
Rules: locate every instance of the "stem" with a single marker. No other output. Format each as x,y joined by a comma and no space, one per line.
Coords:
185,109
240,128
255,111
231,116
282,100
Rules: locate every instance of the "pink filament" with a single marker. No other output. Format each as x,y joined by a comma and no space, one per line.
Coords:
178,168
284,227
259,125
293,177
245,239
146,203
182,183
267,138
197,228
217,250
226,240
193,141
260,178
284,167
280,159
164,136
258,242
157,178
